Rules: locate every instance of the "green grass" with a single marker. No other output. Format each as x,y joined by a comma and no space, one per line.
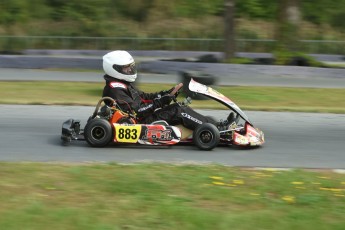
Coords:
247,97
164,196
111,196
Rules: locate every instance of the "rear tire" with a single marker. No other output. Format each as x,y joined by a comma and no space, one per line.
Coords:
206,136
98,132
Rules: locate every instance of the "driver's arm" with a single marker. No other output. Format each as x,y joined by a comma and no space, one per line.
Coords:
142,106
151,96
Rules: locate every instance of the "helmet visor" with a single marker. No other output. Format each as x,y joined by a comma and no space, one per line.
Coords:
126,69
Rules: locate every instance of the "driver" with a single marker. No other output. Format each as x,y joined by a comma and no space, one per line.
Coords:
120,73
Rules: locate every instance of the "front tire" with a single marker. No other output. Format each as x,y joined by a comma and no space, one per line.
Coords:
206,136
98,132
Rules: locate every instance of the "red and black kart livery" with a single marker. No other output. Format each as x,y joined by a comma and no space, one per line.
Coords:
110,124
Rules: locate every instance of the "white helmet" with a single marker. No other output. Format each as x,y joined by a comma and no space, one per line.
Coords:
116,61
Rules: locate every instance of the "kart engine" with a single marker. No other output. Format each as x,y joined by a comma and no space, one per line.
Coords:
105,112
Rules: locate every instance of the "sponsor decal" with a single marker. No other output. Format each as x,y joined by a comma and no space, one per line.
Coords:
240,140
252,132
157,133
117,85
197,87
145,108
191,118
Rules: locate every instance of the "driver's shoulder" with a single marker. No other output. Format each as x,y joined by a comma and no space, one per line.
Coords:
117,84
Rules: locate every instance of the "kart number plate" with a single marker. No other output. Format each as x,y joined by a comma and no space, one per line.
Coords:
127,133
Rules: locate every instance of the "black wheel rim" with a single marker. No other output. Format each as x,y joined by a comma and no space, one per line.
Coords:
206,137
98,133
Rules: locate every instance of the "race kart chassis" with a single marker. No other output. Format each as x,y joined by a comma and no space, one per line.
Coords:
111,124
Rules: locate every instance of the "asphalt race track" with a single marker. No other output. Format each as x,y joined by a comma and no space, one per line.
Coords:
305,140
299,140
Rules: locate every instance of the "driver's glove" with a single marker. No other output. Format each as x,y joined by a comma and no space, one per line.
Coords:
166,92
162,101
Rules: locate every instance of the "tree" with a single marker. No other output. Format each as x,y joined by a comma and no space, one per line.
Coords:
229,31
288,18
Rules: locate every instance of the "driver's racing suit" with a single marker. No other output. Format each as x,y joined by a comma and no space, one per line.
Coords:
147,105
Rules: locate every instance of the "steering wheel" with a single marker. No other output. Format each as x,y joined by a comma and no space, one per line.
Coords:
176,89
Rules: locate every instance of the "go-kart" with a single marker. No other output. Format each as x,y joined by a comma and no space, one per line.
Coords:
109,123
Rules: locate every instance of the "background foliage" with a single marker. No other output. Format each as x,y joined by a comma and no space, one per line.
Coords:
121,17
116,20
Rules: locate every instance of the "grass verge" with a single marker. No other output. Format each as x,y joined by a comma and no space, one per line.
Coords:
248,97
160,196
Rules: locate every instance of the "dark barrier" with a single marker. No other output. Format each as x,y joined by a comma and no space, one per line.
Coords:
200,77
